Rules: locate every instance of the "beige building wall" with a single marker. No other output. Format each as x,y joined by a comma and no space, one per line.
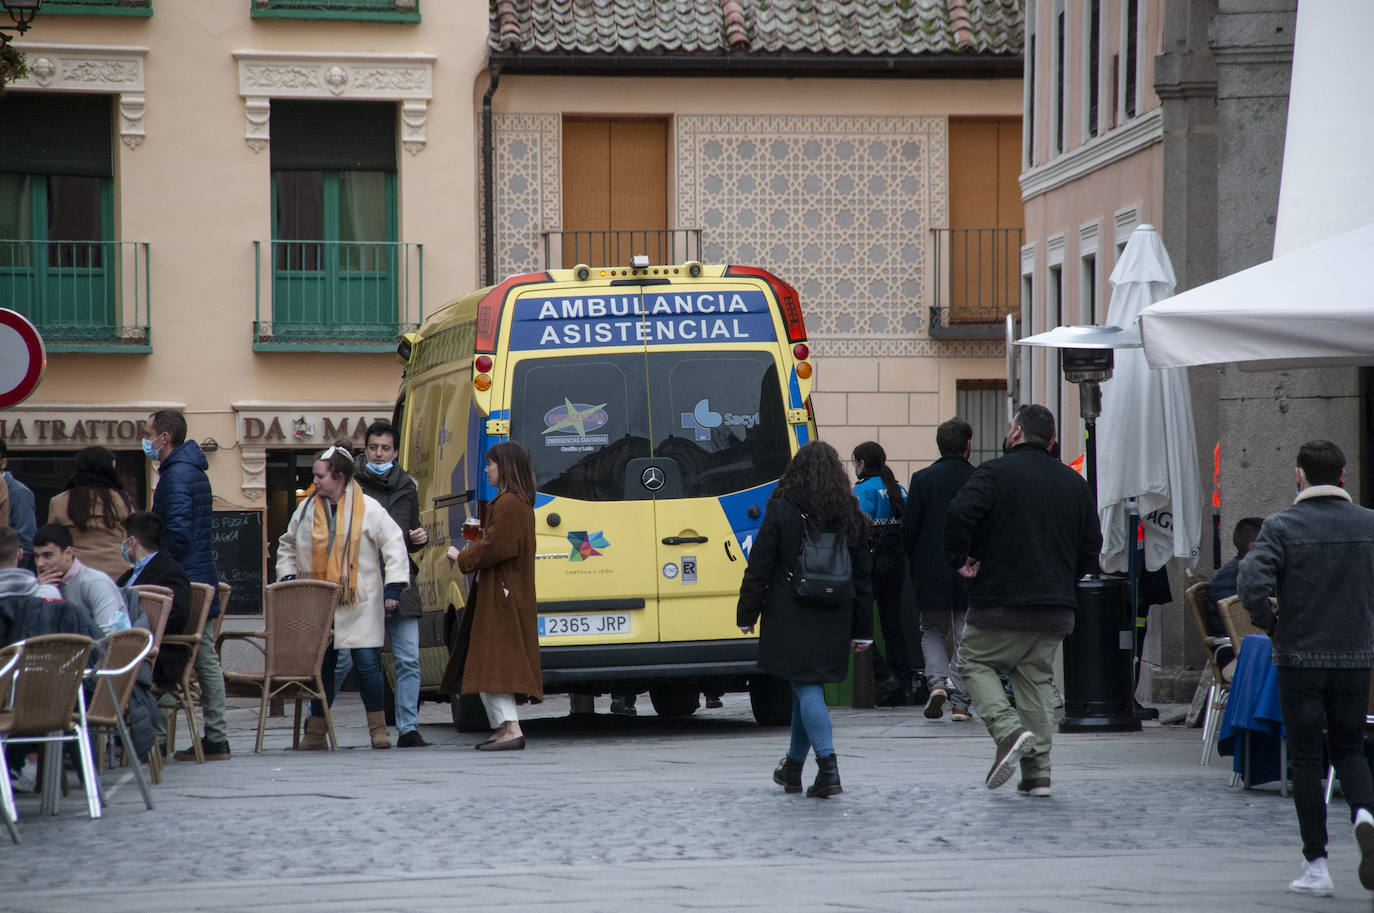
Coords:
189,182
834,185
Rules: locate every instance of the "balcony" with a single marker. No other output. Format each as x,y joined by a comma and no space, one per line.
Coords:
337,296
977,281
615,247
84,296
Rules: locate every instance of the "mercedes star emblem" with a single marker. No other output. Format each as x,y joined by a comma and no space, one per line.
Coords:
652,478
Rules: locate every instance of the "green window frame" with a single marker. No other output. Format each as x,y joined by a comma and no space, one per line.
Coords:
357,10
138,8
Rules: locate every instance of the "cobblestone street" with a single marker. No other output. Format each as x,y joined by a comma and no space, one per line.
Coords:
642,814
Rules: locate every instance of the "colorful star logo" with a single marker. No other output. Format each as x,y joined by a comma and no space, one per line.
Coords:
578,417
585,545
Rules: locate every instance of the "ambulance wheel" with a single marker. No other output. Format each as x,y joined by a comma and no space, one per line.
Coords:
771,700
468,713
674,700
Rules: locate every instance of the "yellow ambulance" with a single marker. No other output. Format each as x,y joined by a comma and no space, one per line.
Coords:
658,404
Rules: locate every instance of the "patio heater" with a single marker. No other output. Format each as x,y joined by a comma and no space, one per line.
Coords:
1099,656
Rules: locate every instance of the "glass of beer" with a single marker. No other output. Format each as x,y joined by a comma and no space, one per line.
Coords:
472,529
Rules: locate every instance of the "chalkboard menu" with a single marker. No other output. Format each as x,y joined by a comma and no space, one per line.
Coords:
236,540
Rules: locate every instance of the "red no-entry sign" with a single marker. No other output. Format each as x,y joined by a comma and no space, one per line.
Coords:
22,358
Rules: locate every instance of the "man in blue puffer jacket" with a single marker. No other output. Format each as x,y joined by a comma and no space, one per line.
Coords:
184,503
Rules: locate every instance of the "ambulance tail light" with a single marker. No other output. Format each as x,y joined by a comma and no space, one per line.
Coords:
786,295
482,363
492,303
800,351
482,382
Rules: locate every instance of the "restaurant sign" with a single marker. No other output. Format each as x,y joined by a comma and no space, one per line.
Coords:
73,428
281,426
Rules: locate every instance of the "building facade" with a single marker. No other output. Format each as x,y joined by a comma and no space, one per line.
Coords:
234,209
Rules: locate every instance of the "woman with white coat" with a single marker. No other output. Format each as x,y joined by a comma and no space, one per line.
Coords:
341,535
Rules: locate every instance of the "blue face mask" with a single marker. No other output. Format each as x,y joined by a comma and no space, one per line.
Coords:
382,469
149,450
124,553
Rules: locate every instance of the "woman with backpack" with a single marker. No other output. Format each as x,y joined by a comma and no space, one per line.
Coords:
882,499
808,577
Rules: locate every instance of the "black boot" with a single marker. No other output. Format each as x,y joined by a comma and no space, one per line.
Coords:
788,775
827,779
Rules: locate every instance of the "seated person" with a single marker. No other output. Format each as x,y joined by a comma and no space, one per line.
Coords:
1223,584
23,612
154,567
85,586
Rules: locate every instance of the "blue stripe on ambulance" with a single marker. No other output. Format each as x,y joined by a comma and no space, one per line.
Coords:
794,401
736,509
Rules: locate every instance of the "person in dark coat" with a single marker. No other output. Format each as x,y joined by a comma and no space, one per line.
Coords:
154,567
496,650
941,594
184,502
807,643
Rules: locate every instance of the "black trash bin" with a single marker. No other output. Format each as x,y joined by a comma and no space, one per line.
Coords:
1099,681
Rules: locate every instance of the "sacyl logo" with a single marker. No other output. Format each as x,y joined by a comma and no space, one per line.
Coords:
701,420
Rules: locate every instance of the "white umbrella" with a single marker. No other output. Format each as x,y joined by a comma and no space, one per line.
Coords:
1145,442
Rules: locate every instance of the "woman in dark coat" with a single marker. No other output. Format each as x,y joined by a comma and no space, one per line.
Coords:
807,643
496,653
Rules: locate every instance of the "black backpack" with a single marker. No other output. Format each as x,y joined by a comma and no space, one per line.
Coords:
823,573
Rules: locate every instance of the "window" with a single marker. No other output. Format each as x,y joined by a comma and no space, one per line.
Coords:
364,10
983,404
1028,141
1054,316
1093,77
57,259
1131,40
1059,53
717,417
334,251
1087,289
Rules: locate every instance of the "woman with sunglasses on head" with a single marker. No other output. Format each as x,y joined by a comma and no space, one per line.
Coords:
496,648
341,535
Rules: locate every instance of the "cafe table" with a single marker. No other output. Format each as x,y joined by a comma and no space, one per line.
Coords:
1252,726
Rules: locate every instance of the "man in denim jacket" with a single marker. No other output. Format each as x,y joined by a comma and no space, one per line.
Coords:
1317,558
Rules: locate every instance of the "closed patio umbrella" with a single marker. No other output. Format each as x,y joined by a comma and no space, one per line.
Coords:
1147,449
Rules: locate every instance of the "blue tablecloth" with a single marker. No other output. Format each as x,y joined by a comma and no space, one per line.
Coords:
1253,722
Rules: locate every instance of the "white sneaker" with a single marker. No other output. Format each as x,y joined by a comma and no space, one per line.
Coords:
1364,836
1315,879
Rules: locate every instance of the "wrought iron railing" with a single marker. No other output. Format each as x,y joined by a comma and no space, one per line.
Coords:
977,280
615,247
82,295
391,10
99,7
360,295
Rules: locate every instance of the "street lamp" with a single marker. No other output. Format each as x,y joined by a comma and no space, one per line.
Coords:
21,14
1098,674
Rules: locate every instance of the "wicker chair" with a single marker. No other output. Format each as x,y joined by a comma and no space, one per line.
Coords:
157,603
1196,598
47,685
1237,620
9,661
222,592
298,616
125,652
182,692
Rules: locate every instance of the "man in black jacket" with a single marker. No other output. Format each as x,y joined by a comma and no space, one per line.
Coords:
941,594
1022,530
154,567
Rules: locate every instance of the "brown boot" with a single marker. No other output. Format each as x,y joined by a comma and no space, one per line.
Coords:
376,728
316,736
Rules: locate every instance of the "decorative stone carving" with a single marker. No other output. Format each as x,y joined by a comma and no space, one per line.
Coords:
253,461
101,69
404,78
528,187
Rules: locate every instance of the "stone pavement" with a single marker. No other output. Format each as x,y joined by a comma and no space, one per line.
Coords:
610,814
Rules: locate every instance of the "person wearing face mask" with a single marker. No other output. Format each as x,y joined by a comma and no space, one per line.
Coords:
184,502
382,478
151,566
340,534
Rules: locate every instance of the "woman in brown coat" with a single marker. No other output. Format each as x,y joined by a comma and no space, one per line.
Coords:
496,652
93,508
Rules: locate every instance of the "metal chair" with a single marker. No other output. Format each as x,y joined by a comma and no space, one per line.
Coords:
9,661
125,652
182,692
1196,598
298,616
46,686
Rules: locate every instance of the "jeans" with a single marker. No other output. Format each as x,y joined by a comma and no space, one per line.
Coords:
1339,695
934,627
1028,658
368,665
810,722
405,652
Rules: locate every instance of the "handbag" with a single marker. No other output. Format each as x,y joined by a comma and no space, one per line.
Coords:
823,572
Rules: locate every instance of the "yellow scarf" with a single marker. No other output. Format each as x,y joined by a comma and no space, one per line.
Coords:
339,563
